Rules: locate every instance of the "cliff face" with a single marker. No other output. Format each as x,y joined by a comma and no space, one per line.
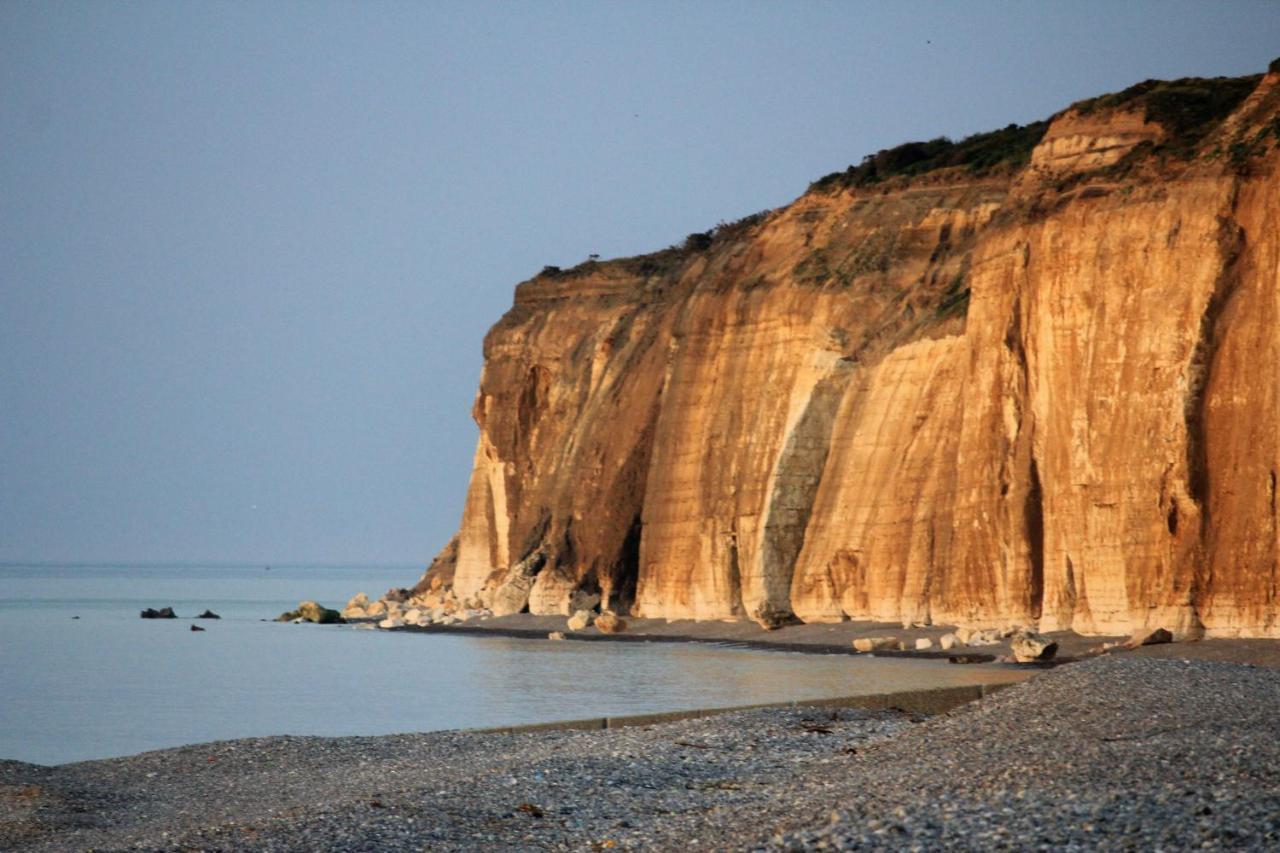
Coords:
950,385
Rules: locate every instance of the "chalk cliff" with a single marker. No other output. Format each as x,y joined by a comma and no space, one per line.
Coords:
1030,377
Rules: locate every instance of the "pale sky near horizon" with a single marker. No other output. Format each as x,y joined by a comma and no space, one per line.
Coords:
248,251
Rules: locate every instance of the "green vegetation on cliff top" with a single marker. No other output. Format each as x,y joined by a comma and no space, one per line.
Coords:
1188,109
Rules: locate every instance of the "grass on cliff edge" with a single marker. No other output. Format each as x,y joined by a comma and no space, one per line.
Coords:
664,260
980,154
1188,108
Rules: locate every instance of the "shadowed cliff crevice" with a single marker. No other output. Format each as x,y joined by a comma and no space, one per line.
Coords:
1033,518
1231,240
795,485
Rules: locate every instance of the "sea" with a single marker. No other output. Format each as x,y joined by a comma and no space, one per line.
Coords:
83,677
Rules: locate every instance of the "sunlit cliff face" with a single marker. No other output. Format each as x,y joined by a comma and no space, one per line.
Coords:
1039,391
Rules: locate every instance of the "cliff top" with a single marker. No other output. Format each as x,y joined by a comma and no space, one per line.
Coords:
1181,114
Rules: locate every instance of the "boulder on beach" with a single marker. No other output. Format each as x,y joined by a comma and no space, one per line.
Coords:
987,637
162,613
310,611
208,614
556,635
949,641
875,644
579,620
1030,647
391,622
610,623
923,643
1149,637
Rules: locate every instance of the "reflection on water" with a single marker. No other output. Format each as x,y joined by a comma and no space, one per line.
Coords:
110,683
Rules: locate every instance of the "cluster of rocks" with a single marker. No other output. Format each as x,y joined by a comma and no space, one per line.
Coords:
607,622
958,639
167,613
1025,645
398,608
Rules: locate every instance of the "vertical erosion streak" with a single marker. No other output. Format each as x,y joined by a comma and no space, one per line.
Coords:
1033,517
1231,242
798,474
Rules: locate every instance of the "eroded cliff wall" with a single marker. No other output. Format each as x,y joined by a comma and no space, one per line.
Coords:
1030,378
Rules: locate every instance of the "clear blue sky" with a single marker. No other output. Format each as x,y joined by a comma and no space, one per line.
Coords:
248,251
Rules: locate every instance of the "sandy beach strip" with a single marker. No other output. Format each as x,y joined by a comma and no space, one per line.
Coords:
1118,751
838,637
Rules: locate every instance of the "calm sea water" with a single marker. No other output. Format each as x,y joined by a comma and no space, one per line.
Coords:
110,683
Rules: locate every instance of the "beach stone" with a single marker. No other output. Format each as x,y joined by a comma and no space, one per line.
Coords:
875,644
358,600
610,623
392,622
413,616
162,613
1149,637
964,635
376,608
353,613
580,620
923,643
949,641
556,635
1030,647
988,637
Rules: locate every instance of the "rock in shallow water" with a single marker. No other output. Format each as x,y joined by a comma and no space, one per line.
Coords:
310,611
162,613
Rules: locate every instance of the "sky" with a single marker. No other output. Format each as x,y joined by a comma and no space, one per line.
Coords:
249,251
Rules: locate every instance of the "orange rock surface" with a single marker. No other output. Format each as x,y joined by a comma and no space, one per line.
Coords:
1041,392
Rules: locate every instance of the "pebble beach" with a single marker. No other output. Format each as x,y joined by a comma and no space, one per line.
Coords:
1116,752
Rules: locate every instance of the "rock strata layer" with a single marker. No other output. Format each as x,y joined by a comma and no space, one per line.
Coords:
1028,380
